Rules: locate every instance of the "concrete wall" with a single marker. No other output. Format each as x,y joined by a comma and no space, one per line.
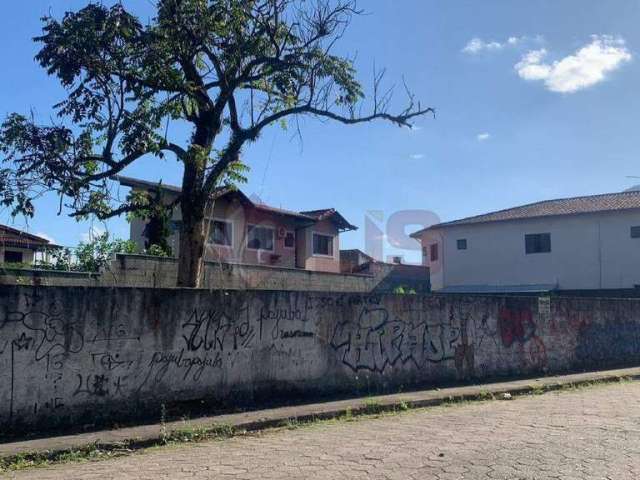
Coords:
141,271
145,271
71,356
591,251
51,278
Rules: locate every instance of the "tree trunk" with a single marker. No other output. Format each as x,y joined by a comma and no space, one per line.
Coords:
193,204
191,259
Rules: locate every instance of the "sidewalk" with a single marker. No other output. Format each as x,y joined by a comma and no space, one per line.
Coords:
261,419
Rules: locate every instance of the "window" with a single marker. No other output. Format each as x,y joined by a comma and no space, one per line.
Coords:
322,244
290,240
434,252
221,233
635,232
260,238
425,253
537,243
462,244
12,257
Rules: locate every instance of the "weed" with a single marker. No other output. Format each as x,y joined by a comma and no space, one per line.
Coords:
163,424
485,395
372,407
536,389
292,423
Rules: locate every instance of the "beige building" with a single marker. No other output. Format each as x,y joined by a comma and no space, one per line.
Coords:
242,231
590,242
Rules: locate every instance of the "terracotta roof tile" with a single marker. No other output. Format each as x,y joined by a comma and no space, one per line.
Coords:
311,215
563,206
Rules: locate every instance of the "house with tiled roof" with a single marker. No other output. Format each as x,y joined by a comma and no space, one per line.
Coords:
17,246
246,231
589,242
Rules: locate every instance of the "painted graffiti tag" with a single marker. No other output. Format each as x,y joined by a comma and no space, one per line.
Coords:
515,326
162,362
518,327
374,342
215,330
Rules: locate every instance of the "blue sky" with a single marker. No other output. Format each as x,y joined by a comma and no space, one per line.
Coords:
534,99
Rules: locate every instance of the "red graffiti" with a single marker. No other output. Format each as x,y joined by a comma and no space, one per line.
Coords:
515,326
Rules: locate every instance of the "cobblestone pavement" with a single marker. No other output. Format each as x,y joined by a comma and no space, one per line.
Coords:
592,433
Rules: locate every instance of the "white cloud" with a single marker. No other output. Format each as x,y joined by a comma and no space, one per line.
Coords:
477,45
416,156
92,234
585,68
481,137
531,68
45,236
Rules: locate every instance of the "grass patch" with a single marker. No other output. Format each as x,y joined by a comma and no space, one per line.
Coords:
96,452
85,454
372,407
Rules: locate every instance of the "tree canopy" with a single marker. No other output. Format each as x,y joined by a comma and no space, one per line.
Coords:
228,68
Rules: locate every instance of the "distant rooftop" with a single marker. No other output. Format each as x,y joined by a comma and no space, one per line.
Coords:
628,200
312,215
13,237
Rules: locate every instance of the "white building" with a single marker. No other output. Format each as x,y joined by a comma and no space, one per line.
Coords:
572,243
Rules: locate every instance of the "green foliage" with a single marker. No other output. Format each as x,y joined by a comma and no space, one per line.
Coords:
404,291
96,253
158,251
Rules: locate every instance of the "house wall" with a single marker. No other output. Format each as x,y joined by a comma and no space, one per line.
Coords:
27,254
589,251
320,263
350,260
78,356
241,216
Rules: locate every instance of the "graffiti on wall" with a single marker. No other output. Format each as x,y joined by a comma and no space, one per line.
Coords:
518,328
378,340
80,355
43,335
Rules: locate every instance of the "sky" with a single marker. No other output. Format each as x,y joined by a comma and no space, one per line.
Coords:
535,99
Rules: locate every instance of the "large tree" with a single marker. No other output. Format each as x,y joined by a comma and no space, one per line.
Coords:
228,68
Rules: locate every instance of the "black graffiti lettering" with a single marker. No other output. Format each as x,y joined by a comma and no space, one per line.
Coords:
214,330
284,334
113,333
375,342
110,362
94,385
195,366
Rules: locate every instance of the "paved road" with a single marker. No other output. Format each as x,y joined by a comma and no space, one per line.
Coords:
592,433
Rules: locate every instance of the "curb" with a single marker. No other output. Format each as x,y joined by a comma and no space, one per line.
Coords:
137,438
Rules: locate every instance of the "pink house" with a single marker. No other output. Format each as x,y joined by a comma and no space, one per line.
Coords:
246,232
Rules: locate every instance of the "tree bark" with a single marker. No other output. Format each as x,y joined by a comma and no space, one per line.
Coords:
191,259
